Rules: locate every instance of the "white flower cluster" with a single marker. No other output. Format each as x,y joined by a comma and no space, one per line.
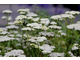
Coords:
15,53
5,38
75,26
53,23
46,34
45,28
44,21
36,46
19,35
30,17
73,12
55,27
1,30
37,39
35,19
27,28
75,46
3,17
4,29
8,48
4,32
20,17
23,11
35,25
9,18
46,48
12,27
62,17
62,33
56,54
11,23
7,12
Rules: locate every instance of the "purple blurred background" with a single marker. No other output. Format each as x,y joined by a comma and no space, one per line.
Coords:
50,9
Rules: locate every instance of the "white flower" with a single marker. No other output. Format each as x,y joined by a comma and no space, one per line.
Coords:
30,17
8,48
45,28
35,19
56,17
36,46
9,18
53,23
1,30
14,53
7,12
3,17
78,22
27,28
32,39
62,33
11,23
46,34
22,13
4,29
46,48
31,14
74,26
62,17
41,39
5,38
44,21
73,12
75,47
46,51
23,10
55,54
20,17
12,27
18,22
4,32
37,39
11,35
35,25
19,35
21,56
55,27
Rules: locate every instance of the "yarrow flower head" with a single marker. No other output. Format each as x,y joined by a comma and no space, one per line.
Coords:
7,12
55,27
27,28
1,30
15,53
73,12
23,10
56,54
44,21
3,17
18,22
20,17
62,17
5,38
46,48
75,26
